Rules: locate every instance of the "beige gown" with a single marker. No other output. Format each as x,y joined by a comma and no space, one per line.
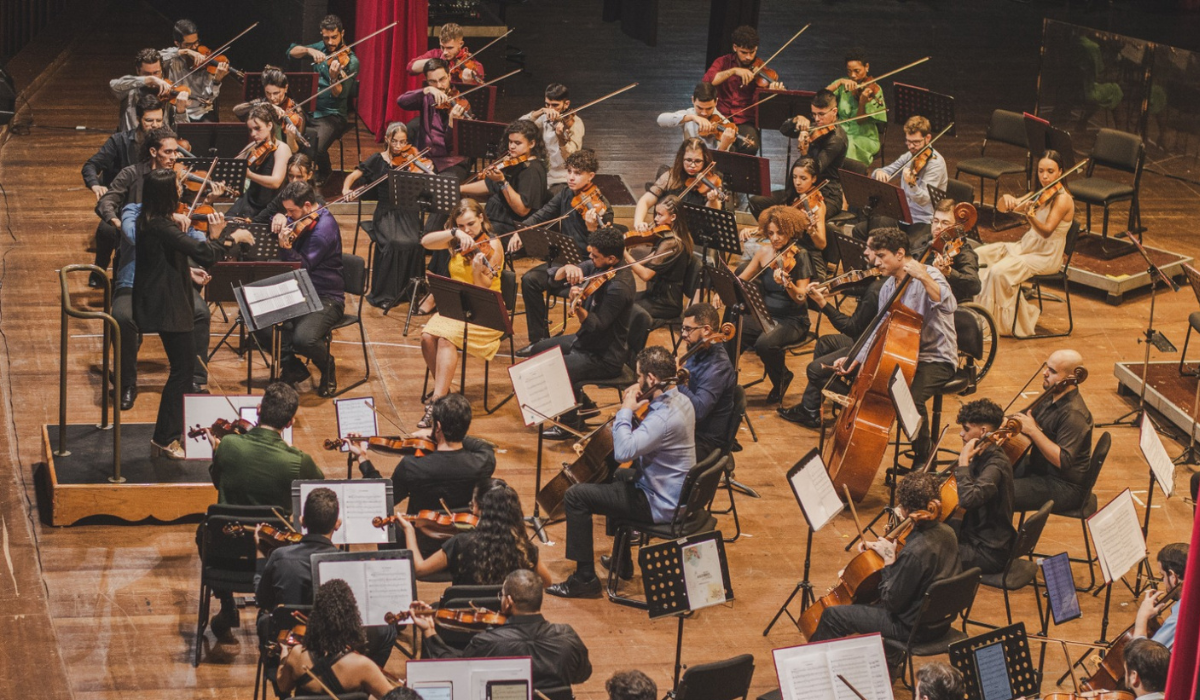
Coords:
1010,264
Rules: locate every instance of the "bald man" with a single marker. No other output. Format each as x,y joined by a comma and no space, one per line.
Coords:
1061,430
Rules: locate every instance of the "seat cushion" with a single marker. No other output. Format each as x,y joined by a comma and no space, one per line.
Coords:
939,646
955,386
1194,319
622,380
991,168
1086,511
1097,190
1020,574
346,320
772,695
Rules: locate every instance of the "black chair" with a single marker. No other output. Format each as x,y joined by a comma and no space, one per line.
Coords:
355,275
1119,151
1193,277
975,357
1007,128
1089,506
944,602
692,516
1061,277
691,276
463,597
735,422
719,680
558,692
282,618
227,560
1020,570
352,122
639,331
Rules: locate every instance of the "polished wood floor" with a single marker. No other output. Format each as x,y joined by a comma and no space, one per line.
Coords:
108,610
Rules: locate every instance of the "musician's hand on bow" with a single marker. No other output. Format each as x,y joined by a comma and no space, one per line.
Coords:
278,222
439,97
317,55
572,274
745,234
845,83
880,175
630,399
841,367
462,239
182,221
1007,202
970,448
703,126
514,243
745,74
199,276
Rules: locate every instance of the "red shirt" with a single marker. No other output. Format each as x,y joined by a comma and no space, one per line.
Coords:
732,94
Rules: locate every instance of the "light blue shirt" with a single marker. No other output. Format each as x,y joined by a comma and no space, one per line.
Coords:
1166,634
662,448
123,279
920,206
939,339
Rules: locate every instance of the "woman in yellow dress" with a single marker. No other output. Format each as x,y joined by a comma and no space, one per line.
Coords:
473,263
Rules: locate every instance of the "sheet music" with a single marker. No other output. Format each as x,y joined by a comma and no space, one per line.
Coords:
906,408
1118,536
994,681
358,504
1156,456
388,589
1060,588
806,676
355,576
542,386
356,416
861,673
273,297
809,671
814,490
702,574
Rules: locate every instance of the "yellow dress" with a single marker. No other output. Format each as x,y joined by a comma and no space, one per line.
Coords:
483,342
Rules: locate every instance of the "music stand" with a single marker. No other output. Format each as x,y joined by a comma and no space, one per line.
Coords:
712,228
230,172
425,193
875,198
551,246
273,301
910,101
227,277
224,139
483,102
301,86
478,139
741,299
743,173
266,242
461,301
788,104
851,251
1007,648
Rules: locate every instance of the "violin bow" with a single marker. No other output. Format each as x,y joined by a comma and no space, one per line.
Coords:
862,537
851,687
493,81
699,176
200,190
284,520
851,119
213,54
598,100
927,147
1024,387
375,33
1032,196
898,70
589,278
308,672
322,91
781,48
778,255
485,47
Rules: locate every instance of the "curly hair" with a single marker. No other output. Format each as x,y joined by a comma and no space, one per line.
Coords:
334,622
630,685
917,490
788,219
498,545
532,133
981,412
890,239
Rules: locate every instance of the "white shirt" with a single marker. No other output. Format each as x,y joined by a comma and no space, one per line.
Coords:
558,150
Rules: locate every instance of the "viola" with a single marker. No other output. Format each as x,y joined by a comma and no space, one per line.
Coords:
589,199
1047,196
917,164
412,161
260,152
198,214
410,445
270,537
703,184
724,335
222,428
1017,445
219,58
634,239
470,619
835,284
437,525
465,62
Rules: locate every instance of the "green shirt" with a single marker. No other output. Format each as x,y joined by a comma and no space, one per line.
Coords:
329,104
258,468
863,134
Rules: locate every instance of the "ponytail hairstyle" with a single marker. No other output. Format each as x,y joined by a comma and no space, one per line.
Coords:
532,133
671,204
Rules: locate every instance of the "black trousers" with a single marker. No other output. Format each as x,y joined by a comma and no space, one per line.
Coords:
534,285
322,133
181,355
929,378
845,620
581,367
770,346
305,335
122,308
1032,492
619,500
107,239
827,350
989,561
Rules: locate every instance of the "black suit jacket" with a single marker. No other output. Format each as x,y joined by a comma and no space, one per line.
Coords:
287,576
118,152
559,656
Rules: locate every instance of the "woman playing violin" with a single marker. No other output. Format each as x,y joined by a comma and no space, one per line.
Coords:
475,259
290,118
495,548
810,202
984,480
515,186
1039,252
664,276
332,649
267,160
854,101
783,270
690,160
733,76
398,256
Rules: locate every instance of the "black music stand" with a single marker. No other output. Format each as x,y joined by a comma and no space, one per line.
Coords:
1042,136
301,86
224,139
875,198
712,229
460,301
226,276
788,104
256,316
425,193
230,172
266,242
478,139
851,251
550,246
911,101
1007,647
483,102
749,175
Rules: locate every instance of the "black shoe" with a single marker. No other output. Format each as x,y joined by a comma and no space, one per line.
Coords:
222,623
626,572
554,432
575,587
526,351
293,372
779,390
198,388
328,385
128,396
798,415
96,280
321,179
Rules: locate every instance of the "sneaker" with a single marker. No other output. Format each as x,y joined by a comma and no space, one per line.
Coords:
171,451
575,587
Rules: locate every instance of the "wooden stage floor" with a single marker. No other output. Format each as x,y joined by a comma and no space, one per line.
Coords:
104,611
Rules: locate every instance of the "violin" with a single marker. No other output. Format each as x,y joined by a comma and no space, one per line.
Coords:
260,151
195,180
198,214
1047,196
410,445
589,288
412,161
222,428
293,636
437,525
764,77
299,226
836,284
219,58
589,199
703,184
950,242
634,239
1092,695
481,245
471,619
1017,445
465,62
270,538
918,163
724,335
456,101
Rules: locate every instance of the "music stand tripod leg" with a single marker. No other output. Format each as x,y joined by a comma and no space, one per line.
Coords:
539,526
417,286
1191,455
807,599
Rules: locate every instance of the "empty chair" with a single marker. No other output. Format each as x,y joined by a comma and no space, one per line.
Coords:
1007,128
1119,151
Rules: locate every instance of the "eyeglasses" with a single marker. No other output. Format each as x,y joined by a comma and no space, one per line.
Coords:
688,330
693,161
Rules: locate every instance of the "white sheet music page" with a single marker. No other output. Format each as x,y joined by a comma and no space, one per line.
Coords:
1156,456
702,574
388,589
814,489
542,386
804,676
906,408
1118,536
354,574
273,297
361,503
810,671
356,416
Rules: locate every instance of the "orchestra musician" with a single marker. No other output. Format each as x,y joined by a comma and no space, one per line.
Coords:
562,137
145,80
696,121
516,187
853,101
598,349
1146,666
399,256
938,681
711,378
451,49
492,550
266,168
663,450
732,75
783,292
832,347
819,140
119,151
690,160
1172,562
929,555
333,634
1061,431
1039,252
917,135
198,91
809,199
664,276
328,119
559,656
473,262
433,132
315,243
445,478
578,226
985,490
931,298
630,685
275,89
299,169
962,271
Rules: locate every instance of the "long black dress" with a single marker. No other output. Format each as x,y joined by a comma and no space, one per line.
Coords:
398,256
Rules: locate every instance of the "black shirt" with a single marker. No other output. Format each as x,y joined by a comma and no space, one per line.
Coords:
779,303
1068,423
258,195
573,226
985,492
858,322
529,181
287,576
829,151
963,276
276,207
461,567
666,286
605,333
118,152
560,658
929,555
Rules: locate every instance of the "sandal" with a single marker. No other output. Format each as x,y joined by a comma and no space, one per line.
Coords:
427,419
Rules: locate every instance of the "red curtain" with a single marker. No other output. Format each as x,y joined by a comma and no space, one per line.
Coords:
1183,680
383,76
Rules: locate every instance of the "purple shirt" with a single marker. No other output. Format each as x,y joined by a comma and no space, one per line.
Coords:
319,250
435,128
